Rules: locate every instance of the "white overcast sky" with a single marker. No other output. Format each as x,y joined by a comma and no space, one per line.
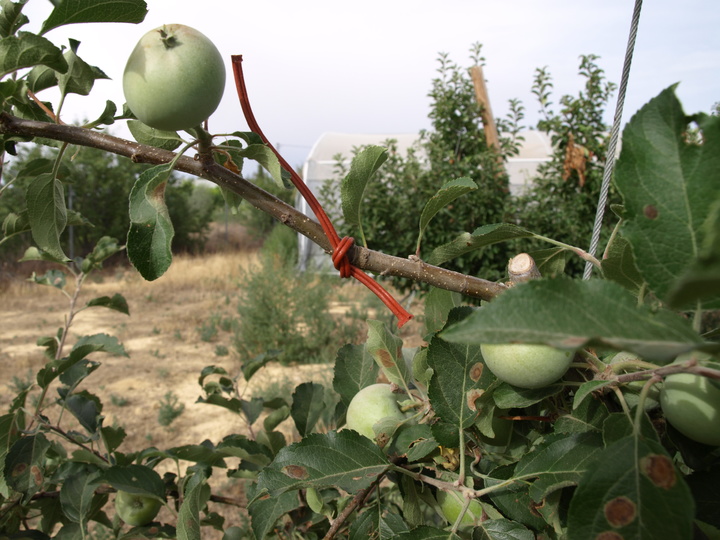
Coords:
366,67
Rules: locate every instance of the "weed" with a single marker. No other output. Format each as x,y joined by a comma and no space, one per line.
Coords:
119,401
170,409
221,350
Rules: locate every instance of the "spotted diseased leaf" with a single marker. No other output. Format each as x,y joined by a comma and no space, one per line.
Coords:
633,491
151,231
668,185
24,464
386,349
343,459
459,378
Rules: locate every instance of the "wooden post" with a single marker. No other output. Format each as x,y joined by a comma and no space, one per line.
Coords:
483,99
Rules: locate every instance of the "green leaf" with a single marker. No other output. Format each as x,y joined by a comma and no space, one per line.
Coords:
701,281
376,524
308,404
633,490
83,347
586,389
115,302
386,349
668,187
47,214
11,17
137,479
264,155
15,224
51,278
355,369
480,238
28,50
266,511
558,462
77,495
619,265
363,166
569,314
144,134
80,77
196,497
705,487
86,408
452,190
151,232
89,11
507,396
502,529
438,304
426,533
343,459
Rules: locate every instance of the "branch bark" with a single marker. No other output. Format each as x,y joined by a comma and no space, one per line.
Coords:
365,259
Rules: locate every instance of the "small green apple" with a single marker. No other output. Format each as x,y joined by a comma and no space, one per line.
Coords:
174,78
526,365
136,510
370,405
691,403
451,504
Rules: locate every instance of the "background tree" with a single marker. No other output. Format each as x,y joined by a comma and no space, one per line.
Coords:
564,195
455,146
97,182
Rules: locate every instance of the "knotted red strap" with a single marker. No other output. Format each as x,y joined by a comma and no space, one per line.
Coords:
340,247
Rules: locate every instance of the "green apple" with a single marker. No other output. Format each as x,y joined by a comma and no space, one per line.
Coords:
451,504
526,365
174,78
136,510
370,405
691,404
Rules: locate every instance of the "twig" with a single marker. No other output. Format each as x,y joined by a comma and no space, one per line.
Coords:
357,500
363,258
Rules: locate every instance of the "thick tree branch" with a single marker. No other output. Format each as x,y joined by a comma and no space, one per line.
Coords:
365,259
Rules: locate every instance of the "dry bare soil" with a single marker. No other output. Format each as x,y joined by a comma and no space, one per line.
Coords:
163,337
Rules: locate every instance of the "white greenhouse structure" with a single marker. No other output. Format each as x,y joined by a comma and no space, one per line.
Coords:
321,163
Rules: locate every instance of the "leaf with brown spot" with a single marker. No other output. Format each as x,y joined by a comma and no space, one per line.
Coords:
386,349
24,470
609,492
659,469
620,512
295,471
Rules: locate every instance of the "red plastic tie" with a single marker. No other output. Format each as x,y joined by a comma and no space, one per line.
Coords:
340,247
339,257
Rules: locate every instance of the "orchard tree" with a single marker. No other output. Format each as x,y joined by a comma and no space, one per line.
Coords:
454,147
95,181
460,446
566,189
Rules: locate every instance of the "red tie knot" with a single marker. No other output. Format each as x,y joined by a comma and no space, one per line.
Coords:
339,257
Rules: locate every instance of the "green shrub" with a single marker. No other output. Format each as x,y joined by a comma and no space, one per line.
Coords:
280,309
